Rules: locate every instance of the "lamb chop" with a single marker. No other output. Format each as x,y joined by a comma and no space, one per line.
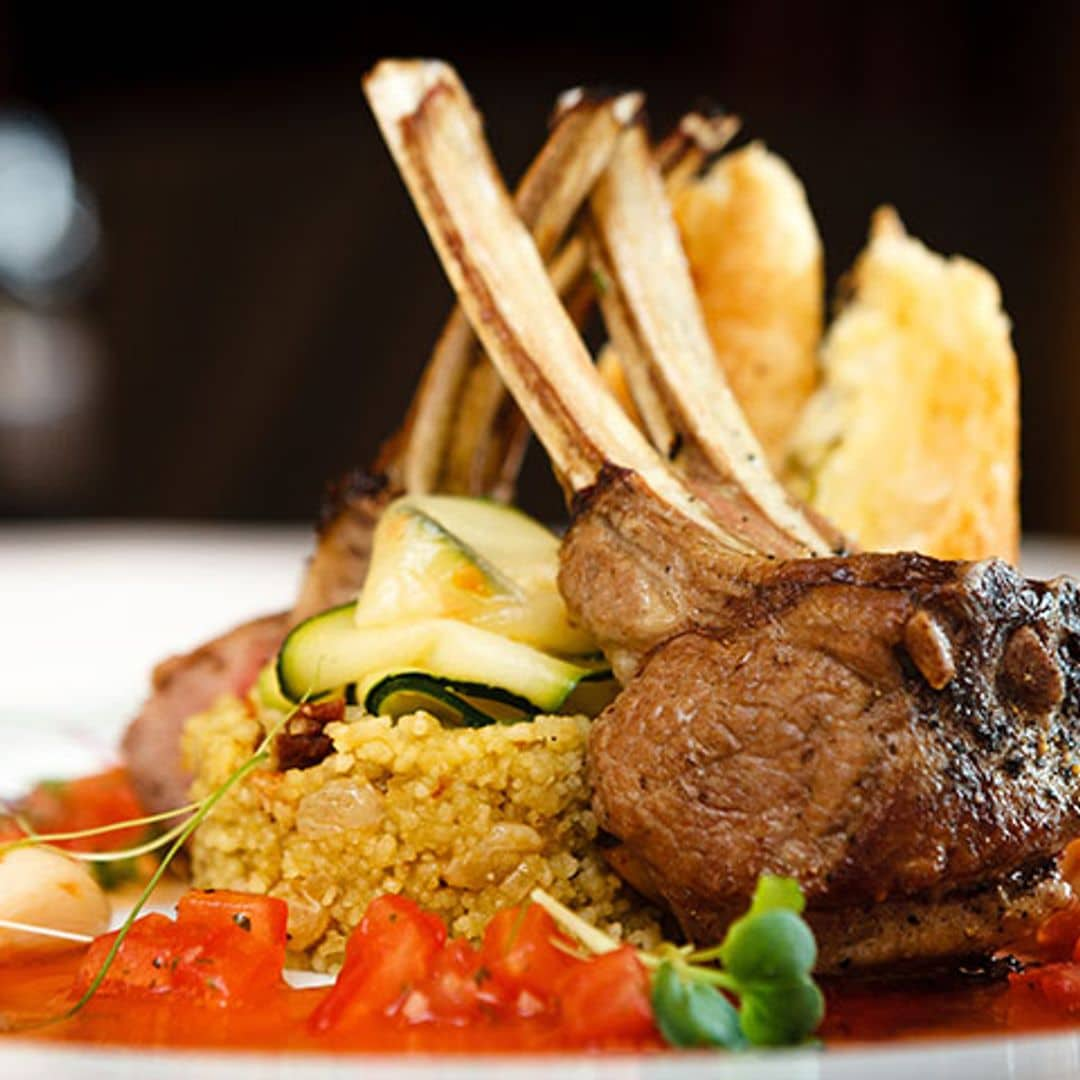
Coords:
661,341
463,434
549,196
459,408
894,731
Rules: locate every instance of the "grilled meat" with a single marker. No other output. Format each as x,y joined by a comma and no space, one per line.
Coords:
894,731
182,686
339,564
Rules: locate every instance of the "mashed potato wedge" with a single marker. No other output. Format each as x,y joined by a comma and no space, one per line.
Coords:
912,440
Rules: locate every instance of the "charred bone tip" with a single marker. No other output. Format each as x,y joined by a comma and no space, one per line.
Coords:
710,129
629,105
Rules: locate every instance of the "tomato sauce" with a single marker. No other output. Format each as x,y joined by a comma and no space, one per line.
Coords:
211,980
857,1013
279,1022
879,1012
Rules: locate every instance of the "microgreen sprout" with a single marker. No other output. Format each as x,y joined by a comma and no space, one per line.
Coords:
36,839
175,838
767,959
595,940
260,756
45,931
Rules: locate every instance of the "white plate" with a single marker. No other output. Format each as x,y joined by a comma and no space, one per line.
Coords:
86,613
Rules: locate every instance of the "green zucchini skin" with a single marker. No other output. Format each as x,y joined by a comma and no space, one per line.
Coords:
328,651
432,689
460,608
289,674
458,697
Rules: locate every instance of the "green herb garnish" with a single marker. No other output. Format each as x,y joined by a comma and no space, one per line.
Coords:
767,959
261,755
175,838
692,1013
111,875
50,840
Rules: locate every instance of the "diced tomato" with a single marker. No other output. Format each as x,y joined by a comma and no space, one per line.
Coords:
521,950
459,988
263,919
391,918
607,998
391,952
205,956
87,803
1058,937
1059,984
144,962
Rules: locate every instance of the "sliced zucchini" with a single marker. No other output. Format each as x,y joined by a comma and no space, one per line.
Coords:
300,652
401,693
330,651
465,704
419,569
267,690
460,592
482,562
520,547
541,620
411,691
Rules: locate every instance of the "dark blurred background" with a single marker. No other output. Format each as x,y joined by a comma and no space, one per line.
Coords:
242,296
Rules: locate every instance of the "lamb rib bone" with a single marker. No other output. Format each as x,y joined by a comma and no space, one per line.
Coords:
894,731
660,337
550,194
491,464
698,137
436,137
680,158
444,412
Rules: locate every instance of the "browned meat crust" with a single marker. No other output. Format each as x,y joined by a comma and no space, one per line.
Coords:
182,686
917,933
888,729
186,684
351,509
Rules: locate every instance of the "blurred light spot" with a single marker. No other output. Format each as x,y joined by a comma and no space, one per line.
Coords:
48,225
43,370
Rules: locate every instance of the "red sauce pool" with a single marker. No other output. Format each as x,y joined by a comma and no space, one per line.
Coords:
877,1012
857,1013
42,988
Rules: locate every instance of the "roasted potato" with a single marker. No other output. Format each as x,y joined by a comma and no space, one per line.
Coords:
756,258
912,440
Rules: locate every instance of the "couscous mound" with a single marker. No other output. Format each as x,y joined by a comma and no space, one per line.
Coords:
463,821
